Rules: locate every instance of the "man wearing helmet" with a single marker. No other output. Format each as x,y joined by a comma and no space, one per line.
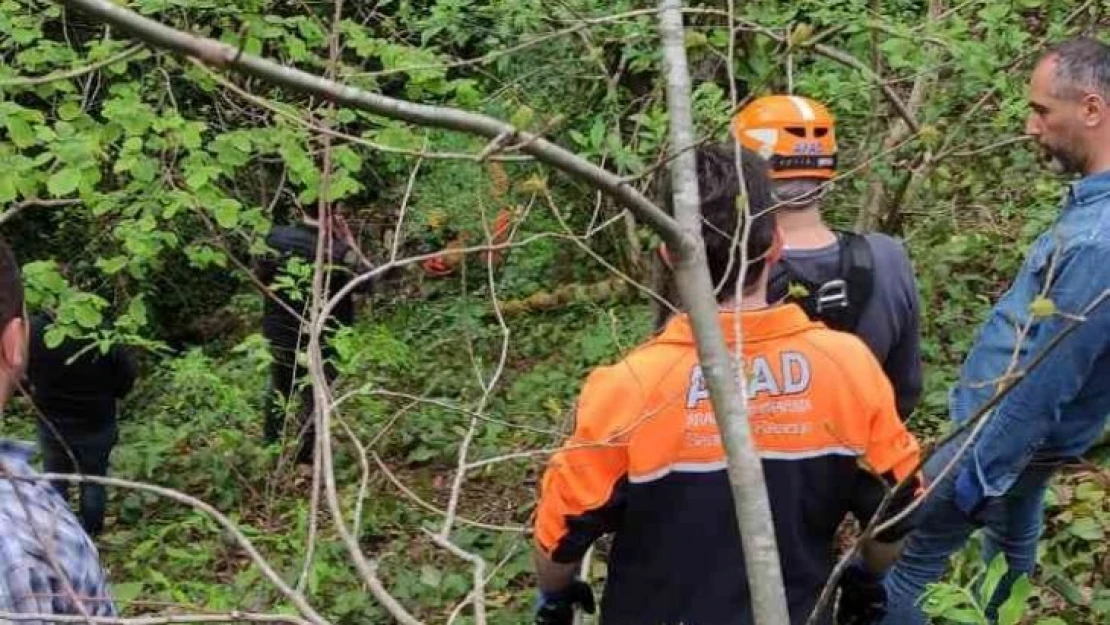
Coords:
833,274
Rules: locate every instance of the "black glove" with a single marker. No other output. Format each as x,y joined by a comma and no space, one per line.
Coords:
557,608
862,597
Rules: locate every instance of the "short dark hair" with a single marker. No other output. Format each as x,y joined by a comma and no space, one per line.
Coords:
11,286
1082,65
722,220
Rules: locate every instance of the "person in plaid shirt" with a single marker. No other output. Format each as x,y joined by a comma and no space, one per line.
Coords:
48,564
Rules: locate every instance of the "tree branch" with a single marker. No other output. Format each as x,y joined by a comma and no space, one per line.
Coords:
219,54
277,109
32,81
745,470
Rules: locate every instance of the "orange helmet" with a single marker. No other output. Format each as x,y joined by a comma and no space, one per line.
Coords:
794,134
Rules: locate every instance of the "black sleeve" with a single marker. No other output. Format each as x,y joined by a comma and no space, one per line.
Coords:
126,371
903,362
869,492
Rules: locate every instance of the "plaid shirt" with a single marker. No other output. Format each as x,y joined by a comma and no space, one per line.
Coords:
47,562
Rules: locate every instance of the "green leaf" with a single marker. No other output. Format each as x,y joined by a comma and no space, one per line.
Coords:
1042,307
54,337
87,315
226,213
1052,620
7,189
112,265
523,117
126,592
971,616
20,132
69,111
144,169
197,179
430,576
1086,528
1011,611
995,572
137,310
1067,589
1089,491
64,181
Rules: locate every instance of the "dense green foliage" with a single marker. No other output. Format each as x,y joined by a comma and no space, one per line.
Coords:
175,177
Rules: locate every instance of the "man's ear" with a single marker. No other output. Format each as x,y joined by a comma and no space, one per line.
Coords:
1094,110
13,347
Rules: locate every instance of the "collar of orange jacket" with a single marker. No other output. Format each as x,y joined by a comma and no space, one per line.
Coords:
757,325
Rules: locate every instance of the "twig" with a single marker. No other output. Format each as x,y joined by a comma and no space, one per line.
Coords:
364,479
986,148
32,81
236,534
392,477
321,391
366,390
404,208
600,259
301,121
495,145
478,592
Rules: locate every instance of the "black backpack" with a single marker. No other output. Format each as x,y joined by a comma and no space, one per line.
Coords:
839,302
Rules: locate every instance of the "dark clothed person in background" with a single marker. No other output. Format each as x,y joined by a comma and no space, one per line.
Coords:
284,330
76,389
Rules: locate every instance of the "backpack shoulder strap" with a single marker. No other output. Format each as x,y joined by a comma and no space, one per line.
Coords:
857,268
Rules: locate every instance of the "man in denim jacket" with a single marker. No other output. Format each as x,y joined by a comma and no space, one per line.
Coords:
1059,409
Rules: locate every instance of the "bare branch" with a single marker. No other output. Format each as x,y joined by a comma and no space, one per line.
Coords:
278,109
408,492
745,470
32,81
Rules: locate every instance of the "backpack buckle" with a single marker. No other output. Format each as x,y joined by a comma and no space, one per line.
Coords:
832,294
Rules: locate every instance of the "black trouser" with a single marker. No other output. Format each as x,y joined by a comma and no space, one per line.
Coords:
92,451
287,381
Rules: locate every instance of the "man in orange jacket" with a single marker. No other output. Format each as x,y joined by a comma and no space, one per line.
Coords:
646,460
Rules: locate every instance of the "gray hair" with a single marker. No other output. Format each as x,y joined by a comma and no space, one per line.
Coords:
1082,66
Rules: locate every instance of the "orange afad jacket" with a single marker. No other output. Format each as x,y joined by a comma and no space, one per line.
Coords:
646,463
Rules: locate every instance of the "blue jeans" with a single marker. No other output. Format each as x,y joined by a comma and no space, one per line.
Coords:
1012,525
92,451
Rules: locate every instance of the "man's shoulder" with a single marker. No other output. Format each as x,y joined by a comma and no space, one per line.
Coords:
646,363
887,249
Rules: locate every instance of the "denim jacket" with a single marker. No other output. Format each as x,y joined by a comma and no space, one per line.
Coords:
1059,409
